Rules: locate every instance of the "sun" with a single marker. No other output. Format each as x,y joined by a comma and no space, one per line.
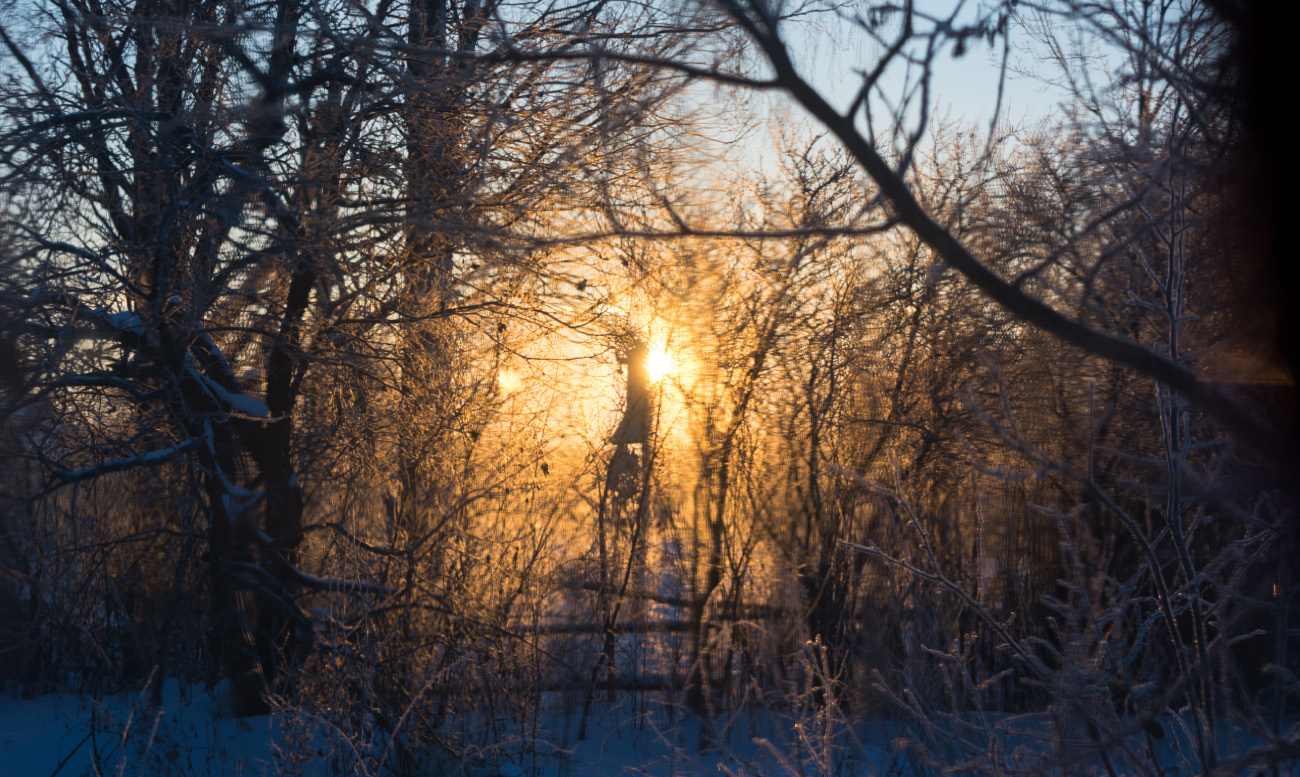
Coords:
659,363
509,381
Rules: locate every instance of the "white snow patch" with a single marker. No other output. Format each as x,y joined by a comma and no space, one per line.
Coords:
68,735
240,403
127,321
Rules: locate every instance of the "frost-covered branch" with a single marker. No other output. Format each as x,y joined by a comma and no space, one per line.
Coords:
148,459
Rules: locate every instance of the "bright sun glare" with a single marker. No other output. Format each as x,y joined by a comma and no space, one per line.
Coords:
659,363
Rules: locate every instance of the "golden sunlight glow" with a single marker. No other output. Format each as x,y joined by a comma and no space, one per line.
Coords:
509,381
659,362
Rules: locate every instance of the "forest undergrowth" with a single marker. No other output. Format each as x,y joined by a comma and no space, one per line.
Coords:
501,388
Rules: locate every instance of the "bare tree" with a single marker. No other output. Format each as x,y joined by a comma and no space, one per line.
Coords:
328,305
210,197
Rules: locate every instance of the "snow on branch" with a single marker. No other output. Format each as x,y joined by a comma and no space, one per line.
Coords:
241,404
129,462
331,584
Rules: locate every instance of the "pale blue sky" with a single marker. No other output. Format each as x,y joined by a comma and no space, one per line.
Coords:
965,88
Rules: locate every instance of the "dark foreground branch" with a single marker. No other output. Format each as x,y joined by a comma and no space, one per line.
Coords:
1027,308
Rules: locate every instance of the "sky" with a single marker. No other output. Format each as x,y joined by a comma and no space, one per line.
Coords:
831,51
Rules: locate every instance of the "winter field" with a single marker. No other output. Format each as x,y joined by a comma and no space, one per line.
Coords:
193,735
648,388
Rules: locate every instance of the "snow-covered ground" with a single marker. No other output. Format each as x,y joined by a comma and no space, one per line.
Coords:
190,735
64,734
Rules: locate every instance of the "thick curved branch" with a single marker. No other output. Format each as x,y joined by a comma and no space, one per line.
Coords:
1027,308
